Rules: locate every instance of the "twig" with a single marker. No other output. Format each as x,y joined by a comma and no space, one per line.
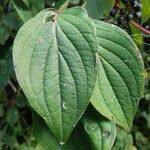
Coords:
18,92
140,27
12,86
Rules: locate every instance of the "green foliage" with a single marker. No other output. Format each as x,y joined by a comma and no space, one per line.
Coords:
4,35
116,65
119,64
124,141
28,8
11,128
137,35
145,10
12,116
6,70
76,141
98,9
101,132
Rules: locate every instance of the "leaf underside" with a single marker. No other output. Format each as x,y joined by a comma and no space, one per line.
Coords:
55,66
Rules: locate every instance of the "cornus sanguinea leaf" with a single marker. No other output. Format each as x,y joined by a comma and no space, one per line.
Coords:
61,59
100,131
120,79
55,65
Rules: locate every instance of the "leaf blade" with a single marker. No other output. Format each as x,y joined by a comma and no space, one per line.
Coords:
53,71
28,9
101,132
145,10
119,65
98,9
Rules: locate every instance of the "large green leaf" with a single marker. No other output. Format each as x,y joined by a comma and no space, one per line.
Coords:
28,8
54,64
145,10
47,140
120,79
98,9
101,131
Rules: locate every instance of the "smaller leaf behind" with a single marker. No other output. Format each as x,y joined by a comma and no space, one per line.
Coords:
28,8
101,131
145,10
98,9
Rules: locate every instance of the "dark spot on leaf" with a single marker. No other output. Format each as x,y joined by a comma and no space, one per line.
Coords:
106,134
50,17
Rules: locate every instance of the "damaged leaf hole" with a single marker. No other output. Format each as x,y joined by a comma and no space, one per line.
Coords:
49,18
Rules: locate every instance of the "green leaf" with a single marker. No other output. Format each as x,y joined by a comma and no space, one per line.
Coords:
124,141
4,34
136,35
6,69
1,110
60,3
27,147
77,140
12,116
52,68
10,141
101,131
4,73
120,79
145,10
98,9
28,8
21,101
12,21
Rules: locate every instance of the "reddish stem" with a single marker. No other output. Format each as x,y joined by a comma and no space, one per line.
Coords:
140,27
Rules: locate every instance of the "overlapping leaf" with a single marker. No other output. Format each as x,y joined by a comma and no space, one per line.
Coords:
120,75
55,66
98,9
